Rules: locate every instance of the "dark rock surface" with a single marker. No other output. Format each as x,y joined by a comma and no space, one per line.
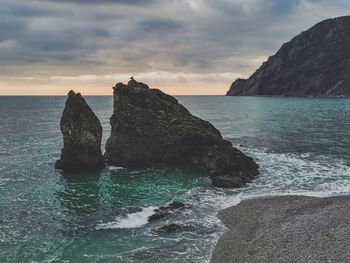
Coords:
171,228
314,63
82,133
150,129
165,211
286,229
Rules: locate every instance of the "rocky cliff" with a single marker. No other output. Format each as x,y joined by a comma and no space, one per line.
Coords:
150,129
314,63
82,133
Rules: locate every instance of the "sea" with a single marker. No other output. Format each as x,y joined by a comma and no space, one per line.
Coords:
302,146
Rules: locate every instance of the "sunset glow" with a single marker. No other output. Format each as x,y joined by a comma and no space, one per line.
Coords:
183,47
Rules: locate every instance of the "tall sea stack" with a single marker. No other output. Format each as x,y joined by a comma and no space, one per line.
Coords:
314,63
82,134
150,129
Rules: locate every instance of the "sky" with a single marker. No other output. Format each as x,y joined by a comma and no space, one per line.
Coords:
183,47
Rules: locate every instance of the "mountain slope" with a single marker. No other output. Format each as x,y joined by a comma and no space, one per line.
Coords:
314,63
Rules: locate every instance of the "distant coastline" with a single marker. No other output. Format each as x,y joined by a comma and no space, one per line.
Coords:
312,64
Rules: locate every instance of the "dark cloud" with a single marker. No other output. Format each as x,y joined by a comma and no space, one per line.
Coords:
159,26
152,28
41,33
99,2
28,9
284,7
138,35
11,28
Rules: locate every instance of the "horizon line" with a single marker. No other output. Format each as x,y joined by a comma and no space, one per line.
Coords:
49,95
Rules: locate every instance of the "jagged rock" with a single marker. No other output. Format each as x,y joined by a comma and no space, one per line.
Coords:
82,133
171,228
150,129
165,211
177,205
314,63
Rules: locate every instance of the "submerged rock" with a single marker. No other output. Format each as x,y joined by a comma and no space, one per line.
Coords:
82,133
165,211
150,129
314,63
171,228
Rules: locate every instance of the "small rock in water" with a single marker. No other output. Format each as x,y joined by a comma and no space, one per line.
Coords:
164,211
171,228
176,205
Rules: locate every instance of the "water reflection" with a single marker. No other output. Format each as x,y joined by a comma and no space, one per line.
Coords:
87,199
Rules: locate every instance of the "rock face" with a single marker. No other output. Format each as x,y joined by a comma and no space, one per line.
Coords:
314,63
150,129
171,228
82,133
165,211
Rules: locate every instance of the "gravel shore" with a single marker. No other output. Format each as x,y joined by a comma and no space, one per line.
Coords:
286,229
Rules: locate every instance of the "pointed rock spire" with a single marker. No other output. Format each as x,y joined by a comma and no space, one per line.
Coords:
82,134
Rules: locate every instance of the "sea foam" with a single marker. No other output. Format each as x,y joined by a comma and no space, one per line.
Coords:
132,220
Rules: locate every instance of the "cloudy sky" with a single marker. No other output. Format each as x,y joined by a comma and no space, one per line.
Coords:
179,46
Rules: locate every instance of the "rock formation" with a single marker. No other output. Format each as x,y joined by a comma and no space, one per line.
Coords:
165,211
314,63
150,129
171,228
82,133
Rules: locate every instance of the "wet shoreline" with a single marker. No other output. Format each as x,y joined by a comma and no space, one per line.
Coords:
286,229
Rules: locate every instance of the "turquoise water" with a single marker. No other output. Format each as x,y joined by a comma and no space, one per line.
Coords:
301,144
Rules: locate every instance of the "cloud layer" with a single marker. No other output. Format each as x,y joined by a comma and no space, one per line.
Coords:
41,39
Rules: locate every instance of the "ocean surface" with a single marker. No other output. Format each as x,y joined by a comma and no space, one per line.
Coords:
301,144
